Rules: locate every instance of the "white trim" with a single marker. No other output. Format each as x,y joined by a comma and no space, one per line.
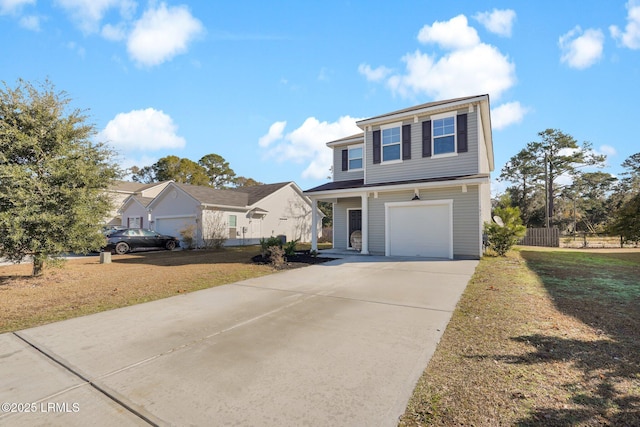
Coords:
444,155
443,116
364,205
382,145
423,111
391,126
174,216
361,146
480,223
358,139
390,205
455,134
355,192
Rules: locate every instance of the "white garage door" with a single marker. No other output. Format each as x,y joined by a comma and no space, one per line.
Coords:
419,228
171,226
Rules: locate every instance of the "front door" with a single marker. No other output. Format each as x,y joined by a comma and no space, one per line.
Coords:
355,223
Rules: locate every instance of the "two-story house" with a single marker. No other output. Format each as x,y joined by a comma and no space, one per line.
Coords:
415,182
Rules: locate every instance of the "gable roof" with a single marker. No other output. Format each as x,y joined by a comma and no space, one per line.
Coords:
238,197
132,187
359,137
258,192
423,108
214,196
143,201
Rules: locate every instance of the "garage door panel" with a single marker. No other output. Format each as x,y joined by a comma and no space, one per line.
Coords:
172,226
419,230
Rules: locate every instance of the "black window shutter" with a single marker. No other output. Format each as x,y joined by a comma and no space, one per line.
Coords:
426,138
345,160
463,147
406,142
376,146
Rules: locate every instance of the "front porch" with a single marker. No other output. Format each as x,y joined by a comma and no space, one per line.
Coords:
350,215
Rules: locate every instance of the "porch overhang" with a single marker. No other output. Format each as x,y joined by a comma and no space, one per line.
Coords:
355,188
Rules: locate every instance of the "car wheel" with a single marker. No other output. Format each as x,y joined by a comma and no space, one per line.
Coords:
171,245
122,248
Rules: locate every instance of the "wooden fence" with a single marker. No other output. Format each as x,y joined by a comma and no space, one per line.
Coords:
549,237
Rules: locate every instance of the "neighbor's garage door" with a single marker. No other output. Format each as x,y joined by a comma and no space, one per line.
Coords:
419,228
172,226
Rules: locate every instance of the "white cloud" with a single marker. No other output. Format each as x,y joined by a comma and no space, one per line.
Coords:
374,74
452,34
30,22
498,21
307,143
75,47
581,49
467,66
631,36
479,69
114,32
568,151
162,33
507,114
608,150
274,134
89,13
8,7
147,129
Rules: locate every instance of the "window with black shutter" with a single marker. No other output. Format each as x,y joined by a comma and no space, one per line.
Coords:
462,133
426,138
376,147
406,142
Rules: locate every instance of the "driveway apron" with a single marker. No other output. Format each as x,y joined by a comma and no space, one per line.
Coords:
341,344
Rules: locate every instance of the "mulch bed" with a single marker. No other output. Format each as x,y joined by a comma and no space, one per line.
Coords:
300,259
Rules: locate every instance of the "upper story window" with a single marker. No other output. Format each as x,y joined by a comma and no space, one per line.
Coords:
444,131
355,157
391,143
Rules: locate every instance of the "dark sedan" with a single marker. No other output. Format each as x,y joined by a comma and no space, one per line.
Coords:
122,241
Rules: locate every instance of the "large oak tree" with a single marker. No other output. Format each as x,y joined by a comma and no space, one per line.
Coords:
53,177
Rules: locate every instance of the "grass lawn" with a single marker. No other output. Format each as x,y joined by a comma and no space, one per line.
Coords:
540,337
84,286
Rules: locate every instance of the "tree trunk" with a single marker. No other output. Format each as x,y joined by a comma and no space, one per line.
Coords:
38,264
550,195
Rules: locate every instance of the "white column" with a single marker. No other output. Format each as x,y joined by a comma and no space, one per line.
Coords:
365,224
314,224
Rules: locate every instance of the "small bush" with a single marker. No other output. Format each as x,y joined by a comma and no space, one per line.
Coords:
290,247
216,233
266,244
276,256
188,234
503,237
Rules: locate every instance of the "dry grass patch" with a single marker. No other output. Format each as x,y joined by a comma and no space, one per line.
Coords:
84,286
539,338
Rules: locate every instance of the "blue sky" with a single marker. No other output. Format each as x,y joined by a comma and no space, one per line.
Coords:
267,84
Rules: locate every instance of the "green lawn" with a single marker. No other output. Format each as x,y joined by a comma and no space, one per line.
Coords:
541,337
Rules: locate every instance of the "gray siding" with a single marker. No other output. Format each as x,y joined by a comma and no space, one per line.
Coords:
340,220
338,173
466,211
418,167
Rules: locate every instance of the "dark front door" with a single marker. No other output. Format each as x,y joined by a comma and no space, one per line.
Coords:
355,223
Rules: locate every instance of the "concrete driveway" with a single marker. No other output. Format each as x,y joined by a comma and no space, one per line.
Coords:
340,344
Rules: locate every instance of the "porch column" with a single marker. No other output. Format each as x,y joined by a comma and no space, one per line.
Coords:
314,224
365,224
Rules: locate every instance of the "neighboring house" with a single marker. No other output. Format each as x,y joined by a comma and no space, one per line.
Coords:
416,182
122,190
243,216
